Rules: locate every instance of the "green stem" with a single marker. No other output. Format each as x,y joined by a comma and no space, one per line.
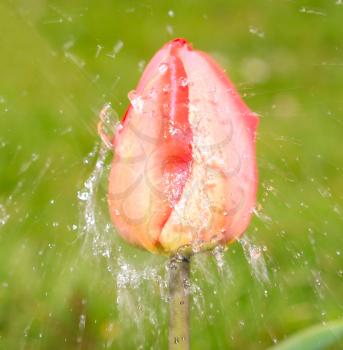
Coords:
179,303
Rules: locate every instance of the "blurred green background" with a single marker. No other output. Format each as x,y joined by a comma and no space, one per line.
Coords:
60,61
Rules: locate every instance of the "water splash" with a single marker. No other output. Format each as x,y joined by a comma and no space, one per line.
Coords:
138,286
130,278
92,226
255,258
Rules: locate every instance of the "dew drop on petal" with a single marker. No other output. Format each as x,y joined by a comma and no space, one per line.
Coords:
163,67
136,101
183,82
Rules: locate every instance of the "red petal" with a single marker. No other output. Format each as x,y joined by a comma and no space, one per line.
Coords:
219,197
153,151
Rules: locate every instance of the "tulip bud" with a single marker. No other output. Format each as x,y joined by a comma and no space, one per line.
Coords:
184,170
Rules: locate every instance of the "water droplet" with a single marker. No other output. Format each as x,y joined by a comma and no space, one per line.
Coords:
255,31
136,101
82,322
218,253
193,108
116,48
141,65
183,81
171,13
170,29
98,50
3,215
255,252
106,253
166,88
83,195
255,257
163,67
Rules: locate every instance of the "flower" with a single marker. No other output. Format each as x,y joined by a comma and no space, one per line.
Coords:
184,170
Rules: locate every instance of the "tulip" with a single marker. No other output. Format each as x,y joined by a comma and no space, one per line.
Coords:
184,170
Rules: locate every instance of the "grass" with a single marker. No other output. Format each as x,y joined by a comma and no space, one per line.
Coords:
285,58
